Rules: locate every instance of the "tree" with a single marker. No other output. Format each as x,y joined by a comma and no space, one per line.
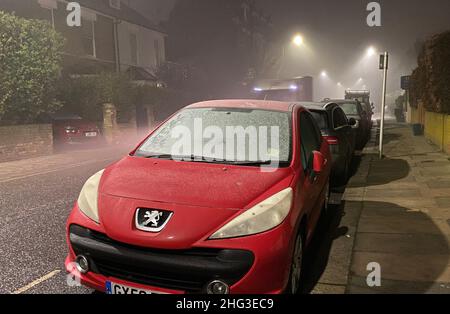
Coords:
429,81
85,95
30,56
223,40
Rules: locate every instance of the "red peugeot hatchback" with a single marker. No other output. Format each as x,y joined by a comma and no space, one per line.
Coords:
221,198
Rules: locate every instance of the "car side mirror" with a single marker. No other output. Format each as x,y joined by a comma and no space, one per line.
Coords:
352,122
318,162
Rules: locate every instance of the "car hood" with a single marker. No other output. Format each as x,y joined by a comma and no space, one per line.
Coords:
189,183
201,196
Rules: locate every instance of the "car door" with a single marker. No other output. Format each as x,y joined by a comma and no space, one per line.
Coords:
310,140
344,132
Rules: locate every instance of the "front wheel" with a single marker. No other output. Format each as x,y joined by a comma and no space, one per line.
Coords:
326,204
296,266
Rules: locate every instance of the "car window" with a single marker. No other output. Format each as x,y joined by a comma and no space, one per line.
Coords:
321,118
224,134
310,138
350,108
339,118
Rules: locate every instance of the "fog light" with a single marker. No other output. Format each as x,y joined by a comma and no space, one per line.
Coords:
217,287
82,264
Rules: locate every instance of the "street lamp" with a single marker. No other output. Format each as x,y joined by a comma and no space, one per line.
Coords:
298,40
371,51
324,74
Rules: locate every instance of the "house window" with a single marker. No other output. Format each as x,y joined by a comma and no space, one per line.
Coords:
88,37
134,48
50,5
114,4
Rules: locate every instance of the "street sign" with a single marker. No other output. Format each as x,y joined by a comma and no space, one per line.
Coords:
382,62
405,80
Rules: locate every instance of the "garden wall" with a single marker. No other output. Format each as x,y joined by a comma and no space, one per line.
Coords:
24,141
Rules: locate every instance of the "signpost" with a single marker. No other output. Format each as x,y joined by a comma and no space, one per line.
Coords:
405,84
384,65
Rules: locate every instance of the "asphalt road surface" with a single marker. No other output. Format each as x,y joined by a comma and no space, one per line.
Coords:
33,212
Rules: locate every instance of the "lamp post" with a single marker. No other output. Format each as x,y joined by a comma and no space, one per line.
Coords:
384,64
298,41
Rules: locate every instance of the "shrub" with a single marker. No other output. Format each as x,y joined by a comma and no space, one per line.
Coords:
429,81
30,56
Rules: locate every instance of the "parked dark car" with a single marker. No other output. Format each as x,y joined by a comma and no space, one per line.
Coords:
354,109
72,129
337,130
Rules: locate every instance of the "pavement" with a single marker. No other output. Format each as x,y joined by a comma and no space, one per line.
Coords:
395,212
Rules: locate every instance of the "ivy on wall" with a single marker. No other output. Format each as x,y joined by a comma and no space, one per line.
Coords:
430,80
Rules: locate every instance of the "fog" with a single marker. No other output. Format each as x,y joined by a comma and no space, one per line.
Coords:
337,38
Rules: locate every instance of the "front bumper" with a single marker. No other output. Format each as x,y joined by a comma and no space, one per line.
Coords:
258,264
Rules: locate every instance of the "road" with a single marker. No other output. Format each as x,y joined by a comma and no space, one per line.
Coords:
36,199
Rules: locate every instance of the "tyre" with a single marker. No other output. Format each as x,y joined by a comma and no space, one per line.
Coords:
294,285
326,204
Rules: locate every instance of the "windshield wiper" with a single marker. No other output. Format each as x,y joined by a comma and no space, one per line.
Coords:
159,156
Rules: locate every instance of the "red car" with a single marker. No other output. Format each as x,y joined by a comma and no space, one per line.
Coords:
159,221
72,129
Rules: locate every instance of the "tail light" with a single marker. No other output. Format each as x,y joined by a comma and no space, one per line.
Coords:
71,130
331,140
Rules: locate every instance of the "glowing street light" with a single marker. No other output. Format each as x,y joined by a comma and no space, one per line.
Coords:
324,74
371,51
339,84
298,40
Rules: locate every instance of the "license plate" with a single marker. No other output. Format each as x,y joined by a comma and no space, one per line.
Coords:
91,134
115,288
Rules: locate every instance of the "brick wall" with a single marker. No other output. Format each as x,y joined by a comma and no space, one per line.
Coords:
24,141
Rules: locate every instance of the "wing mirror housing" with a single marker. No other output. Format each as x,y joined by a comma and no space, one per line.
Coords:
353,123
318,162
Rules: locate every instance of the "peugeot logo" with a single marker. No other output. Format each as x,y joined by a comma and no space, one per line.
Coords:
152,220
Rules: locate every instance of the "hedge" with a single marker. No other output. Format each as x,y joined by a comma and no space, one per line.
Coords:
430,81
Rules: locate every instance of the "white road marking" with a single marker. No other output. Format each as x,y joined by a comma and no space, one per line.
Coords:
37,282
56,170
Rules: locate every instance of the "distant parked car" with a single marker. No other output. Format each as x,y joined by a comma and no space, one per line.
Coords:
72,129
337,131
354,109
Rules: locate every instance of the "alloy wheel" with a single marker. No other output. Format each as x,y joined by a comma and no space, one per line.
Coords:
296,268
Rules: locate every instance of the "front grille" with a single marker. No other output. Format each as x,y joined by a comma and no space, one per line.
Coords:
185,270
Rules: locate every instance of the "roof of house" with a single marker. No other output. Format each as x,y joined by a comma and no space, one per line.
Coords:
125,13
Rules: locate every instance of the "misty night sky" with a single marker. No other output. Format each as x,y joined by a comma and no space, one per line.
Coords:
337,37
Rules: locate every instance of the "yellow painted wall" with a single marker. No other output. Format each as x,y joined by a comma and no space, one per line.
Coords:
437,129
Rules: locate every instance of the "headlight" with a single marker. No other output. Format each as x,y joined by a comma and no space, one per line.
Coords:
87,201
265,216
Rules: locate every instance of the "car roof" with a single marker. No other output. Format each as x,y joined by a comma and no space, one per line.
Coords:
341,101
244,104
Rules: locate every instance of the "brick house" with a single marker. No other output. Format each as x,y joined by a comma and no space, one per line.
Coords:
112,37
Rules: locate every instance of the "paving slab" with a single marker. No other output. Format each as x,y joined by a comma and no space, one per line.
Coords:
358,285
406,267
